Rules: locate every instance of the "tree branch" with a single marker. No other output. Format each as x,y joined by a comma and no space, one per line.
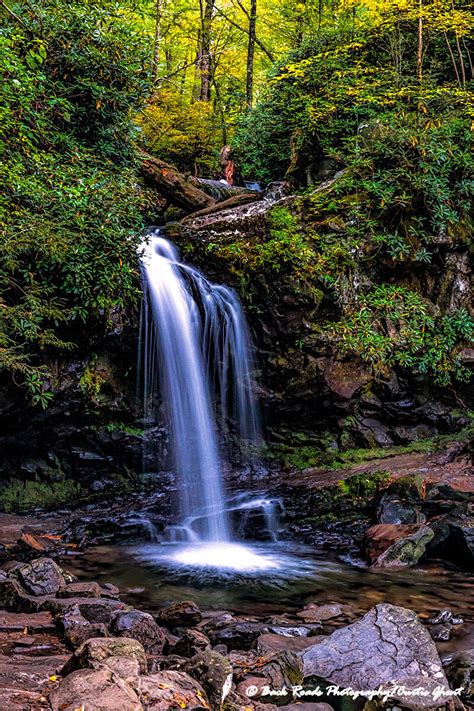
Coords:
245,31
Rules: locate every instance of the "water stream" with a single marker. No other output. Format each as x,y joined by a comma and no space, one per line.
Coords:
197,354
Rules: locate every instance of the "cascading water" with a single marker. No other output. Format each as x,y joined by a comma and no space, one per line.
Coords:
196,344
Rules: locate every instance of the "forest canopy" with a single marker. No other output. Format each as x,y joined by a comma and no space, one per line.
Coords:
380,90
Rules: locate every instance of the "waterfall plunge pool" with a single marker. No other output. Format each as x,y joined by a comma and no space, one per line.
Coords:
150,577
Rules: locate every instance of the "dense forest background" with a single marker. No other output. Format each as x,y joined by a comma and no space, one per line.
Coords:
377,93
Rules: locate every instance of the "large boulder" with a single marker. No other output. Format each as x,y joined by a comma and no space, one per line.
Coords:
387,645
140,626
94,690
41,577
397,545
168,690
181,614
97,651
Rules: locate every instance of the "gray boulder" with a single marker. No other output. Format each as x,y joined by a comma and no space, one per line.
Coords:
387,645
41,577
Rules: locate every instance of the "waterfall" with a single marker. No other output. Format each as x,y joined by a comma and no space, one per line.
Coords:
197,352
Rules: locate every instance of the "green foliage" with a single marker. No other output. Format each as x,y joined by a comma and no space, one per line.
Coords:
70,211
391,325
304,258
182,133
364,485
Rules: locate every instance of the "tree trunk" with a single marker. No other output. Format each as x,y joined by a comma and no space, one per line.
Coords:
173,185
205,54
419,53
157,40
251,51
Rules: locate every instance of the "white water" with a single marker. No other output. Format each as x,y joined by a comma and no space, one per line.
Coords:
196,344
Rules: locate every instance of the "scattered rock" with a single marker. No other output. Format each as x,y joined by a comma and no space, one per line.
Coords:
76,630
41,577
181,614
397,545
441,633
80,590
98,650
388,644
307,706
319,613
240,635
34,622
94,690
109,590
168,690
140,626
190,643
463,533
93,609
214,673
393,510
460,672
10,593
270,643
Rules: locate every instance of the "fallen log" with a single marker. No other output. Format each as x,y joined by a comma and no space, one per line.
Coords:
173,185
234,201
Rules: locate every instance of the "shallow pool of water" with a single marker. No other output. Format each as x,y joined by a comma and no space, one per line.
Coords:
151,576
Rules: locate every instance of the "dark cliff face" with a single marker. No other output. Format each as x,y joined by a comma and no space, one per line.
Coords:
310,390
92,431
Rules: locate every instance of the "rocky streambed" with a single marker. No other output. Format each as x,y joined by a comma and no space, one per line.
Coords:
379,615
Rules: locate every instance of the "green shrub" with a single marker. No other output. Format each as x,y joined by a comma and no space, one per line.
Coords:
70,210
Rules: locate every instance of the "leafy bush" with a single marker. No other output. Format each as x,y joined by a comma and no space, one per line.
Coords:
182,133
70,210
391,325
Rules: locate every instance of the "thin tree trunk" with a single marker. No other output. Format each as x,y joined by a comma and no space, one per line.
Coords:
471,67
206,58
419,54
461,61
451,54
461,58
251,51
157,41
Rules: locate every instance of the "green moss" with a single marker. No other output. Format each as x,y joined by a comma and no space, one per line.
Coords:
303,457
364,485
21,496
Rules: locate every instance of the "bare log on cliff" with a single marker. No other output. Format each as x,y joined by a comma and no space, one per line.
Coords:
233,201
173,185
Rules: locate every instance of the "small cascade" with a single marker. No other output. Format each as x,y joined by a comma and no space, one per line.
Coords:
221,190
197,355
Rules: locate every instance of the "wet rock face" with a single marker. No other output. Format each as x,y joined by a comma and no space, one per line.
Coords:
76,629
388,644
